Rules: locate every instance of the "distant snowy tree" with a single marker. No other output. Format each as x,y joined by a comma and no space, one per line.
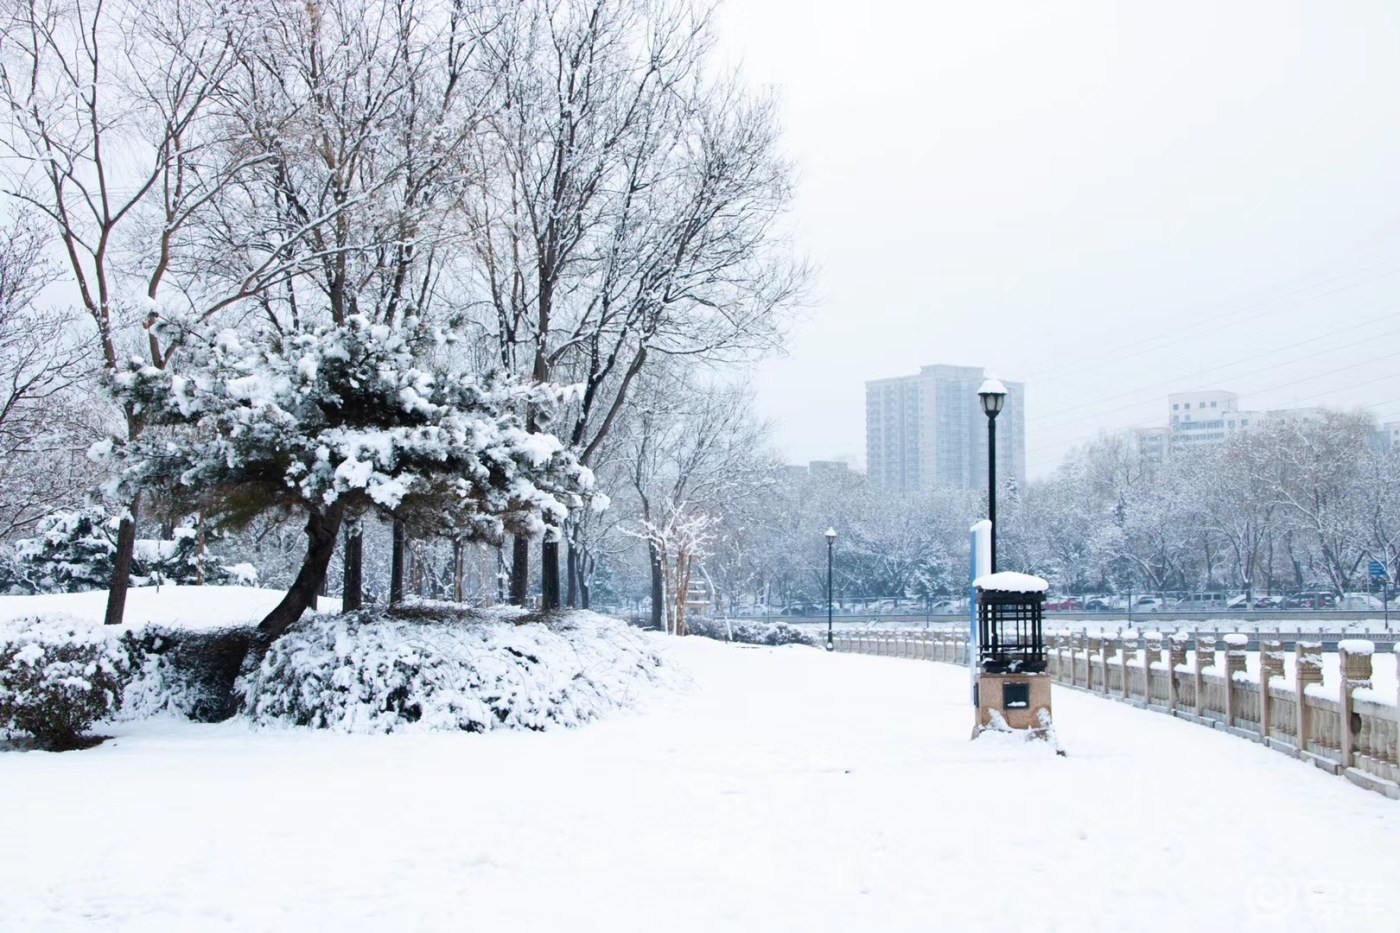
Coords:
74,551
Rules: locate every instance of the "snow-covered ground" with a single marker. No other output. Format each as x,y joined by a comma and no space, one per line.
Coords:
185,606
785,789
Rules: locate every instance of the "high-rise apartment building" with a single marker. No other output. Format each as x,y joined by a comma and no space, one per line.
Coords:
929,430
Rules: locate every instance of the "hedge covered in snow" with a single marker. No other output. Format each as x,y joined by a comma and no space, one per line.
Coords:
450,669
428,666
57,678
750,633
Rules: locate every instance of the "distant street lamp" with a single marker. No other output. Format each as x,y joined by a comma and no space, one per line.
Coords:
830,542
993,396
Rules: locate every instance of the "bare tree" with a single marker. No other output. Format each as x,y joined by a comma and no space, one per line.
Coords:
107,139
694,452
47,420
636,213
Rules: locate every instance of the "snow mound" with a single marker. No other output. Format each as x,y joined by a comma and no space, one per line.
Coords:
451,670
1357,646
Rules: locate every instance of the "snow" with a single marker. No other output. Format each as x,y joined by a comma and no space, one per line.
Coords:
777,793
1008,581
1357,646
1236,640
991,386
184,606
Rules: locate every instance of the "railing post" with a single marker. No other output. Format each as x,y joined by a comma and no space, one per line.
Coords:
1204,644
1355,656
1151,654
1270,666
1176,654
1307,669
1127,642
1235,663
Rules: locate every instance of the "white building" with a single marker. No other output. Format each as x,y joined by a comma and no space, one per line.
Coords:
929,430
1211,417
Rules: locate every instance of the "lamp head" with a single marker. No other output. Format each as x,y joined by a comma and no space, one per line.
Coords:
992,394
830,535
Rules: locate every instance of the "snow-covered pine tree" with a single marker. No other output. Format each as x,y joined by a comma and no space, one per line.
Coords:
340,419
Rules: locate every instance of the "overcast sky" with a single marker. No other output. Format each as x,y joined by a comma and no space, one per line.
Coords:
1108,200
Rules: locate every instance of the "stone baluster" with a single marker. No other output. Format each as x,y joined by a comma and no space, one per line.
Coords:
1176,654
1096,647
1236,661
1356,672
1270,666
1151,655
1127,651
1205,657
1307,669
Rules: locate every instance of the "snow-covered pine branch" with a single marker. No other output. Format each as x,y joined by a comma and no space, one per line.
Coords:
339,419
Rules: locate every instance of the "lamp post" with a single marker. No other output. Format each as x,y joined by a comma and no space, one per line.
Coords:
993,397
830,543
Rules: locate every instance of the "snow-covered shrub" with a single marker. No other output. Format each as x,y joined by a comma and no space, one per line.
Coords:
190,672
750,633
451,669
58,677
73,552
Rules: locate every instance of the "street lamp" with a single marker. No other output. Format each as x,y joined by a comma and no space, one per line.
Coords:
830,543
993,396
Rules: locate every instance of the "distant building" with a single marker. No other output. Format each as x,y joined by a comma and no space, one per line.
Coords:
1199,417
794,472
1208,418
928,430
827,467
1387,436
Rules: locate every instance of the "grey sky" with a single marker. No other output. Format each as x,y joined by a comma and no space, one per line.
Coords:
1108,200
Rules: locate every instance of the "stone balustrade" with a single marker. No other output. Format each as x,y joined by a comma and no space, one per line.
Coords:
1345,728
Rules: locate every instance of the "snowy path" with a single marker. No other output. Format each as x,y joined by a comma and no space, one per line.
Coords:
790,790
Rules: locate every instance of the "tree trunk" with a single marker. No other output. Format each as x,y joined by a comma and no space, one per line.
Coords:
121,566
572,563
352,592
658,608
321,532
459,571
584,578
519,570
549,574
396,563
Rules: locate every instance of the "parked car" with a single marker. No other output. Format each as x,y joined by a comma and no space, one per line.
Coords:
1149,604
1099,604
1063,604
1313,599
1201,602
1361,601
946,607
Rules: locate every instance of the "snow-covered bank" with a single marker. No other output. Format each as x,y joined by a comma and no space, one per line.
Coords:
177,606
788,789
